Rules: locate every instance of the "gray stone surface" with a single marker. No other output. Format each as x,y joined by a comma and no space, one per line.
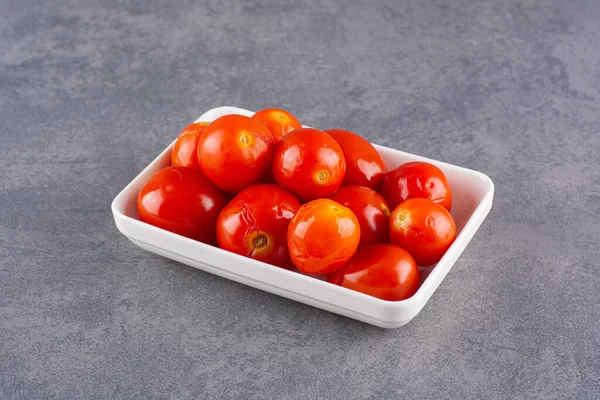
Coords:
91,91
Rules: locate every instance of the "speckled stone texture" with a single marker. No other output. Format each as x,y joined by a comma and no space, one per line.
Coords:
91,91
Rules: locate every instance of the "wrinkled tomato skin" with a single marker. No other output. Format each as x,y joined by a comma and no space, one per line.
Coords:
255,223
417,180
380,270
181,200
322,236
185,149
235,152
423,228
371,210
309,163
364,165
278,121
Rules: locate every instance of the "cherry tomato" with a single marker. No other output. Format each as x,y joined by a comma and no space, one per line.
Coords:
309,163
185,149
364,165
424,228
322,236
234,152
417,180
279,122
371,210
181,200
255,223
380,270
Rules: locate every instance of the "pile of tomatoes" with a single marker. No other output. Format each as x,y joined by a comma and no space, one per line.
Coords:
321,202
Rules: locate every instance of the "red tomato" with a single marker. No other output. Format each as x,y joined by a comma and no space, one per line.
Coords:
183,201
417,180
279,122
255,223
371,210
309,163
425,229
234,152
322,236
364,165
185,149
380,270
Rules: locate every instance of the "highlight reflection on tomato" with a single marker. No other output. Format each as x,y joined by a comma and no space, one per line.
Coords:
322,236
255,223
381,270
371,210
364,165
279,122
234,152
417,180
185,148
181,200
309,163
424,228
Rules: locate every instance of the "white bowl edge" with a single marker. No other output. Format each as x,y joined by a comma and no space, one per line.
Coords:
333,298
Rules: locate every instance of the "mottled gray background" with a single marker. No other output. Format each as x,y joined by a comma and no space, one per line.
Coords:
91,91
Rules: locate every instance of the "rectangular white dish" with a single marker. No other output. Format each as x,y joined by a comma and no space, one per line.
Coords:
472,200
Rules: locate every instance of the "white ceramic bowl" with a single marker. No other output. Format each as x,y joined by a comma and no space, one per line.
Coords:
472,195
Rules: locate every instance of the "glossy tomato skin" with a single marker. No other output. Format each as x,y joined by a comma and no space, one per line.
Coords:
364,165
380,270
185,149
371,210
181,200
309,163
322,236
255,223
235,152
278,121
424,228
417,180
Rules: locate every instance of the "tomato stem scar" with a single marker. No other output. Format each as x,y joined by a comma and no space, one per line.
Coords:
385,210
244,139
260,241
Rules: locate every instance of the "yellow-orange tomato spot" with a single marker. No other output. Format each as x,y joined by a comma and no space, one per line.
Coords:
322,176
385,210
259,244
260,241
402,219
246,139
